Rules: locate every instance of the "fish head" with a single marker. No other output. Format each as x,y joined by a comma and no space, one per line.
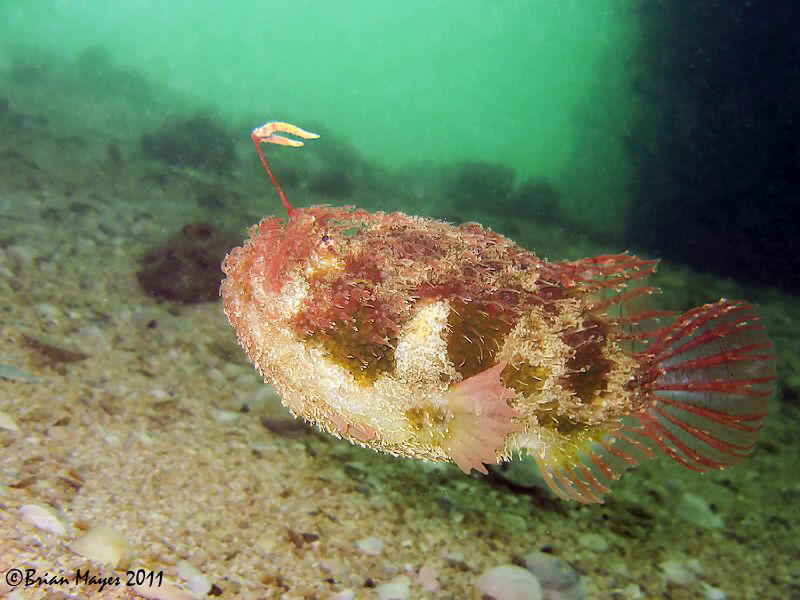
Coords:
281,258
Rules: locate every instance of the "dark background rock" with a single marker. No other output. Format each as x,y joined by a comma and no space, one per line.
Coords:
186,268
176,143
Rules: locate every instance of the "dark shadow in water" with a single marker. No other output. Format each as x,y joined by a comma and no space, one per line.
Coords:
717,146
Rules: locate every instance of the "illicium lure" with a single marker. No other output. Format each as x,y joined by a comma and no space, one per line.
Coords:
427,340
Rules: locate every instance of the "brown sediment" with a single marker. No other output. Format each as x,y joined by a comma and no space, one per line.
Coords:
49,352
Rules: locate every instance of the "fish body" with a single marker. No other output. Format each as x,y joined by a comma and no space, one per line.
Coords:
448,343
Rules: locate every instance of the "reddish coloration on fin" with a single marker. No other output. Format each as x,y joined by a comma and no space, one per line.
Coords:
340,422
605,279
611,271
363,433
585,469
626,296
709,380
481,419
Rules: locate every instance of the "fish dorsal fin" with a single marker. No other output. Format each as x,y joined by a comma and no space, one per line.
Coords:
615,288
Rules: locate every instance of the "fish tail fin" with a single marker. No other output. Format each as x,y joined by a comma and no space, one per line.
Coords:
709,376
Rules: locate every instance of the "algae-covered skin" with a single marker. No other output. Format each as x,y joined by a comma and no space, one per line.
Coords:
426,340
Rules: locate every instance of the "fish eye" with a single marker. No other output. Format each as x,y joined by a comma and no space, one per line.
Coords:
327,242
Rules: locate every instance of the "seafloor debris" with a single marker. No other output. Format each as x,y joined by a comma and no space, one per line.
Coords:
45,517
558,578
14,374
694,509
49,353
7,422
186,268
104,545
509,582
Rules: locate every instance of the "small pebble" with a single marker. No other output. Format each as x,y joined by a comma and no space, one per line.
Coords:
558,578
6,422
695,510
513,522
49,311
594,542
509,582
45,517
714,593
676,573
632,592
347,594
196,582
217,376
371,546
398,588
14,374
226,416
104,545
428,578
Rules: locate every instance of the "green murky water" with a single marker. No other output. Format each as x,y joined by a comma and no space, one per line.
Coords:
541,87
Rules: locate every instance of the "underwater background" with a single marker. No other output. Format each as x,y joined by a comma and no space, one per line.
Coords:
576,128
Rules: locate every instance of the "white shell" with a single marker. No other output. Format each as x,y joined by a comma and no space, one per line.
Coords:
104,545
45,517
509,582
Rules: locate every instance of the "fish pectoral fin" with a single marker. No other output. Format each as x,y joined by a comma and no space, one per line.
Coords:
481,419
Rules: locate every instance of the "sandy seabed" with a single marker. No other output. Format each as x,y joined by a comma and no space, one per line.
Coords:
146,418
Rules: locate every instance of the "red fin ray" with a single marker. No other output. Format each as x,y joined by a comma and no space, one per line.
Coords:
621,298
616,288
607,270
722,358
710,380
584,468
